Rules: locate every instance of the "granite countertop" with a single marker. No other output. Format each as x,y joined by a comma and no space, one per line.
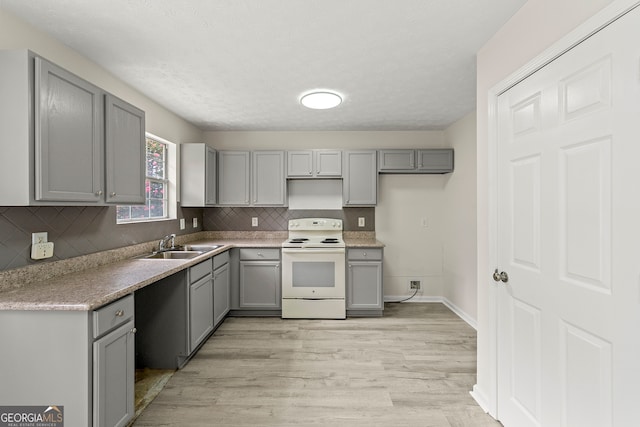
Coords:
86,289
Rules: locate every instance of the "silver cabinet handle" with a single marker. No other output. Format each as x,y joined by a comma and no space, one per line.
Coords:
133,330
119,313
99,193
113,194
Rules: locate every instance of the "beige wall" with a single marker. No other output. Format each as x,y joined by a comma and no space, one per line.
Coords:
460,250
534,28
16,34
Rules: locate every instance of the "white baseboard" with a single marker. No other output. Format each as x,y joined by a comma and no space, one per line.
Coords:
480,399
418,299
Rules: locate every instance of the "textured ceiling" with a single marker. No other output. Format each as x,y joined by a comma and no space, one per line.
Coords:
243,64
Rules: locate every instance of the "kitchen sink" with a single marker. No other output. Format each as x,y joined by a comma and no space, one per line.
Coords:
174,255
186,252
202,248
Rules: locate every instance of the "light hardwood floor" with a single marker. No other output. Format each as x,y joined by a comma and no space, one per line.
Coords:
413,367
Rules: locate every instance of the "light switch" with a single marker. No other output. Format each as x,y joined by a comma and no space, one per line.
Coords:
195,222
182,224
361,221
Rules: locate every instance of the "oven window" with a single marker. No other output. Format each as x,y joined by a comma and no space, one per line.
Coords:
313,274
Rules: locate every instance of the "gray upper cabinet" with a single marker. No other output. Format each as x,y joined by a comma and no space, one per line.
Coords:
125,151
314,164
251,178
65,141
360,181
197,175
233,178
68,136
435,160
268,184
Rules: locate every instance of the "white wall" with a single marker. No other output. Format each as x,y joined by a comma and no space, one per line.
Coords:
460,249
535,27
16,34
412,251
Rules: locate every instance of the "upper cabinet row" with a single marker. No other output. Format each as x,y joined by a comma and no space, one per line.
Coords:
258,178
64,140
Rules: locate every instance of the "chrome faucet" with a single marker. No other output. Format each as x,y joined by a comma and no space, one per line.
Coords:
162,246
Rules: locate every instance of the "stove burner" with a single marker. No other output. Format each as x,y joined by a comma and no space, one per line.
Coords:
330,240
298,240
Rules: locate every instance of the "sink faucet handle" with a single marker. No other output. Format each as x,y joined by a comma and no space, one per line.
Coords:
173,240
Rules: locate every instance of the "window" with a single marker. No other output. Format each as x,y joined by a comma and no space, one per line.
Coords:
156,205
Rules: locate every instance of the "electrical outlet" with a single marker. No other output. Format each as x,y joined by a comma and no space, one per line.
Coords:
182,224
360,221
195,222
41,237
254,221
414,284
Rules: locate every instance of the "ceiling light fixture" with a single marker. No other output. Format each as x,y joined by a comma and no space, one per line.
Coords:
321,100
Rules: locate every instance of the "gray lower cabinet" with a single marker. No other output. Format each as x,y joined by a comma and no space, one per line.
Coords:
221,288
200,311
364,282
432,160
114,363
81,360
260,279
360,178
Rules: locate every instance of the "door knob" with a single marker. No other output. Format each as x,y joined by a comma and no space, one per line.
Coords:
501,276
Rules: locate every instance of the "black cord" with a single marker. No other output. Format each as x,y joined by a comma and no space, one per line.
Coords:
403,300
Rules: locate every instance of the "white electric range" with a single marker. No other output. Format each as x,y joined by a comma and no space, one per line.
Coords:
313,270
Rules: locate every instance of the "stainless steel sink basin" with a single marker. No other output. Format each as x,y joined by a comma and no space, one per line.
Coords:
189,251
202,248
174,255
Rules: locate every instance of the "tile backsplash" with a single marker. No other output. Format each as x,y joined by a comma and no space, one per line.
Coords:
276,219
82,230
76,230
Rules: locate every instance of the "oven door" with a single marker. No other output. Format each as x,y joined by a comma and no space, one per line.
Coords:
313,273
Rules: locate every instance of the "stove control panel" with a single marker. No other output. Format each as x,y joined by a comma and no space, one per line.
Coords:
310,224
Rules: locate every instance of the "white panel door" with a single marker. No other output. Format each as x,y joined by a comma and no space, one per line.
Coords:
569,237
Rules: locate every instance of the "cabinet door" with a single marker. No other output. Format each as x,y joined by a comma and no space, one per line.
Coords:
300,164
360,183
200,311
68,136
268,180
260,285
435,160
210,189
396,160
233,178
221,294
364,285
125,150
329,163
114,377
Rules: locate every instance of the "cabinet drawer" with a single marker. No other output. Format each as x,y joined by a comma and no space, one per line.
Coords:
113,315
198,271
220,260
365,254
259,254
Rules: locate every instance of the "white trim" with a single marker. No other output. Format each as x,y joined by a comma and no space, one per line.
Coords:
488,399
430,299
